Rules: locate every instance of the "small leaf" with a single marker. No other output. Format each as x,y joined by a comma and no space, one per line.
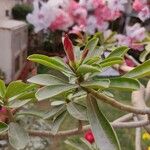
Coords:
51,91
98,84
51,62
126,84
15,88
57,122
105,136
91,46
57,103
54,111
2,89
77,111
119,52
83,69
140,71
3,127
46,79
111,61
18,137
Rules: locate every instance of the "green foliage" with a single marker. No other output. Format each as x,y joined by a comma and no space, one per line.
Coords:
103,131
67,86
18,137
20,11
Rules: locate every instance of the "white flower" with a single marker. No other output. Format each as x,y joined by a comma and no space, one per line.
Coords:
144,14
116,5
91,25
136,32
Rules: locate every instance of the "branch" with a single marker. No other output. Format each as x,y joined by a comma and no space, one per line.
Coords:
137,137
124,118
117,104
138,101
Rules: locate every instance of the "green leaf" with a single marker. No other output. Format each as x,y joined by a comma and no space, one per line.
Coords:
111,61
98,84
18,137
2,89
74,145
77,111
145,53
126,84
83,69
57,103
140,71
119,52
91,45
92,60
46,79
54,111
3,127
105,136
51,62
54,90
89,145
18,103
57,122
15,88
36,113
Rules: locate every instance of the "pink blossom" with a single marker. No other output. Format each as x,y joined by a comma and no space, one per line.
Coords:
138,5
61,22
134,34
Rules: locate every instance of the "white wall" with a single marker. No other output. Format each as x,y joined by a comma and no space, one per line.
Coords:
6,54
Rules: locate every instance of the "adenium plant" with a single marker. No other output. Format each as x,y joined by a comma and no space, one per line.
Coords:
74,88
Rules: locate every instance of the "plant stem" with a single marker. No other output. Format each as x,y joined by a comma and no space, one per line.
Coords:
117,104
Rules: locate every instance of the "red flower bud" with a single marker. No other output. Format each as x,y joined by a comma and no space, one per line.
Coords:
89,136
68,47
129,62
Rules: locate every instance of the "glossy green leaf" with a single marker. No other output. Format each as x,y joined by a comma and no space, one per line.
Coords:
126,84
35,113
54,90
46,79
145,53
92,60
51,62
77,111
18,137
18,103
83,69
140,71
111,61
105,136
2,89
15,88
3,127
91,45
57,122
98,84
119,52
54,111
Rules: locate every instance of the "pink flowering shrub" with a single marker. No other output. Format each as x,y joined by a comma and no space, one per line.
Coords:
91,16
